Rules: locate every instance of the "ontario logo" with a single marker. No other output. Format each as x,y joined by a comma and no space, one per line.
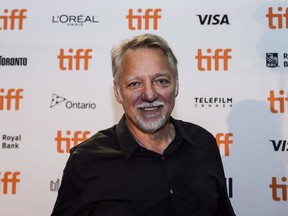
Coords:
58,100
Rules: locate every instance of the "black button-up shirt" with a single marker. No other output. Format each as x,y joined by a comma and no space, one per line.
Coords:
111,175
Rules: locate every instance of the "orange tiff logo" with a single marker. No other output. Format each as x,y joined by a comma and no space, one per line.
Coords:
278,104
10,19
148,17
279,190
79,58
213,60
7,98
224,140
64,141
7,180
277,19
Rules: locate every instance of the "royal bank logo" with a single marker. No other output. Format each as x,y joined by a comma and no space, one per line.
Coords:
213,102
274,60
213,19
75,20
11,141
13,61
60,101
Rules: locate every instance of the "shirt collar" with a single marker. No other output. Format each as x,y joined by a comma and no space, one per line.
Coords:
129,145
180,132
126,141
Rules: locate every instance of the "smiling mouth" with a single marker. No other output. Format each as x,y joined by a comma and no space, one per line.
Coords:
150,107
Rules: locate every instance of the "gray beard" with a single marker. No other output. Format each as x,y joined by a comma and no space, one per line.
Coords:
151,126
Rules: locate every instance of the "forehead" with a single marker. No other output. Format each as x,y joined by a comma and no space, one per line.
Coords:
144,60
132,54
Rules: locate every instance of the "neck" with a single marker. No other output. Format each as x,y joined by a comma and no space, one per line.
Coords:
156,141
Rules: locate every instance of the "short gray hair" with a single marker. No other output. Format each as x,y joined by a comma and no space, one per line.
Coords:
142,41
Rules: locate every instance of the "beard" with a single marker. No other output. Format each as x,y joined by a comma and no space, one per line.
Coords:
151,122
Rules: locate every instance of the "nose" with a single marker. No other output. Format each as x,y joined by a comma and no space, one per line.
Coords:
149,93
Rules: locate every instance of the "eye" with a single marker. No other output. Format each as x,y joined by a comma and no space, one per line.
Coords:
162,82
133,84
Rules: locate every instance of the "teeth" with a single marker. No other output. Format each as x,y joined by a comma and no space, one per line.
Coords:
150,108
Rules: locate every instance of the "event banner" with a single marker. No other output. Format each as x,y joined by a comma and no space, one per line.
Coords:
56,89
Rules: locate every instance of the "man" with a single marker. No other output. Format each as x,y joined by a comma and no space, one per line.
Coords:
149,163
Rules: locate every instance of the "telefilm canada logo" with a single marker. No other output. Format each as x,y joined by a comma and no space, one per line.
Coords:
75,20
213,102
9,141
274,59
58,100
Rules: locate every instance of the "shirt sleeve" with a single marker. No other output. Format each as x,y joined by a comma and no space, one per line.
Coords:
224,204
71,195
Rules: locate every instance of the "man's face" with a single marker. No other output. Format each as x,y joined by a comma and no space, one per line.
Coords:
146,88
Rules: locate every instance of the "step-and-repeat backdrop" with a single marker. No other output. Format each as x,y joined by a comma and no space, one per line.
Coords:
56,89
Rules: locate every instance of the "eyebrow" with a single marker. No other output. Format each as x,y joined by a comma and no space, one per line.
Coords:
159,74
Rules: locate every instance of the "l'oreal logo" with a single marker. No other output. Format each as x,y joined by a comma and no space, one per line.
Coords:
74,20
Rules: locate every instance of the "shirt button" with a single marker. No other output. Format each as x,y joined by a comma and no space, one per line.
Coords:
163,158
141,149
171,191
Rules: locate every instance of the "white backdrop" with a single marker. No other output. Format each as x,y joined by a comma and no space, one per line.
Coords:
245,105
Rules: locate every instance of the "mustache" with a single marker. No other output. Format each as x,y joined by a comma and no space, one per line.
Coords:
148,104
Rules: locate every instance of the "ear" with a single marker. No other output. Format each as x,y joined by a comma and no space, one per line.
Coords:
176,89
117,93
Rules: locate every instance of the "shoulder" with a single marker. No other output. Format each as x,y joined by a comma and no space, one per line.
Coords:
102,142
193,130
200,137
